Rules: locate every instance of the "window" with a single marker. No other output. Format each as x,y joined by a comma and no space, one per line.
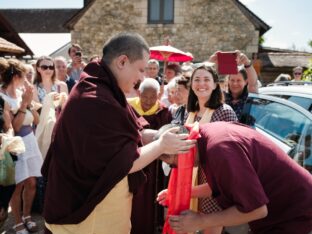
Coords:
160,11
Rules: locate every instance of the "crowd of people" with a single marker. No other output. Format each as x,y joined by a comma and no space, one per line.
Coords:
92,161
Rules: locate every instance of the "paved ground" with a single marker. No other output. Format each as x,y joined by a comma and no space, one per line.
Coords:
7,228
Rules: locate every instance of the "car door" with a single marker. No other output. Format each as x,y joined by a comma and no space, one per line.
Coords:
284,122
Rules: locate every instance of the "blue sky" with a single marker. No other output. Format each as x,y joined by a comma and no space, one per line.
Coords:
290,21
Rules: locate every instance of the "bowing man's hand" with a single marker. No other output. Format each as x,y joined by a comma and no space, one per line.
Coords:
187,221
173,143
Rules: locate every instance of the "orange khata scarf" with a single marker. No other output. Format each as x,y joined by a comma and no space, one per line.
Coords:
180,183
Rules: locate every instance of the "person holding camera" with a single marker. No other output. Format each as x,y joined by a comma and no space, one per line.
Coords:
240,84
76,66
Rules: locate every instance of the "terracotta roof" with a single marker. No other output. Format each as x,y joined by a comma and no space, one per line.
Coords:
293,59
6,46
8,33
254,19
39,20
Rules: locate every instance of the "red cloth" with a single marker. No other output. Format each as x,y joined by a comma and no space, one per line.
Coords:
94,145
180,184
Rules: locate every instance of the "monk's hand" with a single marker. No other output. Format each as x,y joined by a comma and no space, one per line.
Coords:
187,221
173,143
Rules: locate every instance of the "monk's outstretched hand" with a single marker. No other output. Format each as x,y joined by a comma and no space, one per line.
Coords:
173,143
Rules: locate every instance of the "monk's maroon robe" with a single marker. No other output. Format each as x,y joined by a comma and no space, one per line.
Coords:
93,147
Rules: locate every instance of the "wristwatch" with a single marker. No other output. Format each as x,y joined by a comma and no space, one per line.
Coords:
249,65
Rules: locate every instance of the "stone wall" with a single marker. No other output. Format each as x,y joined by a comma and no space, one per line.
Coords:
200,26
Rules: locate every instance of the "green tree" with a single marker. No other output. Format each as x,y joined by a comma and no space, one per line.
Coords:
261,40
310,43
307,74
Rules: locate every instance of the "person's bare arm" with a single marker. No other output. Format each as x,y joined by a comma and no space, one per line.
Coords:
252,77
201,191
168,143
189,221
148,135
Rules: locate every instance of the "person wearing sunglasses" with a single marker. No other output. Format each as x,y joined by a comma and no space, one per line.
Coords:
297,72
45,80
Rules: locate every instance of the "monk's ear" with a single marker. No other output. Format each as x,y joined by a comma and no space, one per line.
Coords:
121,61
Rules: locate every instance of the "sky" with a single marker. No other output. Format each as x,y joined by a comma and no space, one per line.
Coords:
290,21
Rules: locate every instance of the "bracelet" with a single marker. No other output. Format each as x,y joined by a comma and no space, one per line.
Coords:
249,65
20,111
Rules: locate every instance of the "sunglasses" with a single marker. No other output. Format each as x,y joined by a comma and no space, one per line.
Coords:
297,73
45,67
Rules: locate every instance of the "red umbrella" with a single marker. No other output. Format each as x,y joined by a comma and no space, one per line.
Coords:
168,53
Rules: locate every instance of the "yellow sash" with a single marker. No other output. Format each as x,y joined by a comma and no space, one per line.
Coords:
206,118
136,104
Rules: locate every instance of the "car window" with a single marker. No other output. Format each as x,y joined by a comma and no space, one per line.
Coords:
306,103
278,120
303,150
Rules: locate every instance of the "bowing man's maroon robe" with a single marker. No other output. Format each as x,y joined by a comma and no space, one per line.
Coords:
94,145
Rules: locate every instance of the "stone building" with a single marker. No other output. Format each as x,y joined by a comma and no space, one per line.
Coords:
197,26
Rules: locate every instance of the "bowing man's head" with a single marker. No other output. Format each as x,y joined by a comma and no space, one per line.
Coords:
172,159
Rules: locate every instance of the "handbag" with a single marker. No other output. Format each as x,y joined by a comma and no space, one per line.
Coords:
7,170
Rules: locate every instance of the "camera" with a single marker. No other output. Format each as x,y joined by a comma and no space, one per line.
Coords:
78,53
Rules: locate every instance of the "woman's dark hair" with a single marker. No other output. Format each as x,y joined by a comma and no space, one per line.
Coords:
182,80
8,69
38,78
242,71
175,67
216,99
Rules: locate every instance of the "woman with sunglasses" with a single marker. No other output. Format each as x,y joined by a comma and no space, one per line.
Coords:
51,94
45,80
18,93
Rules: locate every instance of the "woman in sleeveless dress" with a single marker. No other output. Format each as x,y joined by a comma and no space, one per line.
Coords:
18,93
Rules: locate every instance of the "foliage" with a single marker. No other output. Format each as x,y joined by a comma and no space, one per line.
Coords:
307,74
261,40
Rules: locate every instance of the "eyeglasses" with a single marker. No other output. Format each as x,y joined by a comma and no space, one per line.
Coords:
297,73
45,67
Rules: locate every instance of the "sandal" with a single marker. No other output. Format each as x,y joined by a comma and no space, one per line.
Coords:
21,231
31,226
